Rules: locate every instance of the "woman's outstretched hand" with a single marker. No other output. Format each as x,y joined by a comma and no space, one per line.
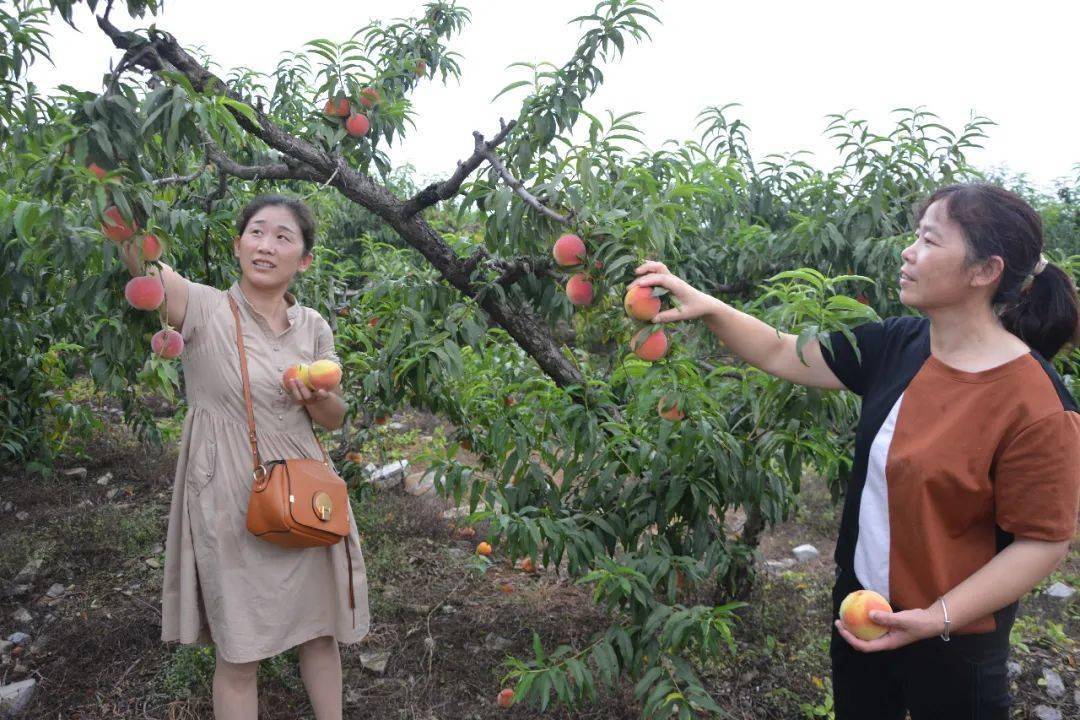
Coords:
692,303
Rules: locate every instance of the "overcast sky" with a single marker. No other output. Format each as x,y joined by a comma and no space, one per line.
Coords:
789,63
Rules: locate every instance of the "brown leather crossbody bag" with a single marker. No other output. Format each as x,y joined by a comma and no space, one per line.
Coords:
294,502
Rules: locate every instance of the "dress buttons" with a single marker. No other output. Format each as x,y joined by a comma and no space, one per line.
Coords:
276,348
279,417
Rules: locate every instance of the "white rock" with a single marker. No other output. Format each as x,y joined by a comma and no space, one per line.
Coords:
805,552
1061,591
57,590
495,643
18,638
779,566
8,506
396,426
1014,669
22,516
391,475
375,660
22,616
1055,688
455,512
420,483
104,479
15,697
1042,712
152,562
78,473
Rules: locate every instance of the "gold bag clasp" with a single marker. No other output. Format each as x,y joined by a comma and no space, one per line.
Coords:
323,506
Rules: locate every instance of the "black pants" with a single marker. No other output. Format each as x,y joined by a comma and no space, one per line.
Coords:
963,679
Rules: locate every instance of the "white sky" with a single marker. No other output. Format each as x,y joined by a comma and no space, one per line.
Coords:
788,62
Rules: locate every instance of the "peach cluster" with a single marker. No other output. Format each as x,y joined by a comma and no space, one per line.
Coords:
319,375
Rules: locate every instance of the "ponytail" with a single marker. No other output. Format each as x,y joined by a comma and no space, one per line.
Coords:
1047,314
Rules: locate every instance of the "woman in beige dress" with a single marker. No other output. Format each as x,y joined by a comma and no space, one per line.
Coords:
249,598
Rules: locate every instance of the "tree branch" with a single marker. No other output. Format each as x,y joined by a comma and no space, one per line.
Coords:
519,188
519,267
305,161
436,192
178,179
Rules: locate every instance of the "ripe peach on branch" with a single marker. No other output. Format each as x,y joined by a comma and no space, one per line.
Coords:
167,343
337,107
369,97
569,250
116,227
357,125
151,248
145,292
649,347
669,409
580,290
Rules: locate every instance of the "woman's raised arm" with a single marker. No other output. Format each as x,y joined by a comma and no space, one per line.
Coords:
754,341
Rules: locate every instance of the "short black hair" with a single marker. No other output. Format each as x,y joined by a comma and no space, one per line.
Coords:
300,211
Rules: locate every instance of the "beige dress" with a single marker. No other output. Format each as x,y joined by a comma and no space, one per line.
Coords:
250,598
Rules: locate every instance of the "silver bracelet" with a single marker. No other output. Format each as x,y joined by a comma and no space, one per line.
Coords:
945,610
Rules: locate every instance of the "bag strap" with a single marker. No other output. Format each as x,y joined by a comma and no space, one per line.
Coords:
247,386
256,462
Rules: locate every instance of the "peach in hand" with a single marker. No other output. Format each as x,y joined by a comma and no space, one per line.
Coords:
641,304
323,375
295,372
855,614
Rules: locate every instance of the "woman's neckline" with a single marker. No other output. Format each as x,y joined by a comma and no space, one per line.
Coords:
979,376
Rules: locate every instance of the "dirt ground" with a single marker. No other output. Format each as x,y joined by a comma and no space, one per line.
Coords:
96,654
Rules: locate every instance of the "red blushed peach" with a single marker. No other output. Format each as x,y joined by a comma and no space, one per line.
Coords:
337,107
144,292
641,304
579,290
97,170
323,375
369,96
115,227
569,250
650,348
421,68
294,372
167,343
669,409
151,248
855,614
358,125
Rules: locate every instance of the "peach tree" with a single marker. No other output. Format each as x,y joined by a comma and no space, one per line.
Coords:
644,473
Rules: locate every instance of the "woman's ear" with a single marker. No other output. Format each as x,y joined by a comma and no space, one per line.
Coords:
988,271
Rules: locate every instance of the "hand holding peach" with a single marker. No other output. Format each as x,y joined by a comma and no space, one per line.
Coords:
855,614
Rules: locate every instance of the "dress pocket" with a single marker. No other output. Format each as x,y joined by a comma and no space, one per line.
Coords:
203,466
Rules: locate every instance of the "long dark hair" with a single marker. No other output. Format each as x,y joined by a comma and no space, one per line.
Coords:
300,212
1040,309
